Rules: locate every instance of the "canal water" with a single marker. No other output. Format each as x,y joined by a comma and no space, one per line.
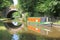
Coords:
29,35
26,36
15,37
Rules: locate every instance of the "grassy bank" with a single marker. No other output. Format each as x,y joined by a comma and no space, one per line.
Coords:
57,22
4,34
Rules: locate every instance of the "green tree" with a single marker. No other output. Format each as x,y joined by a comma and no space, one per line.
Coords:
5,3
46,6
38,7
35,7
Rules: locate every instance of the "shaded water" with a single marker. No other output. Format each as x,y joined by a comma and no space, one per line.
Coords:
29,36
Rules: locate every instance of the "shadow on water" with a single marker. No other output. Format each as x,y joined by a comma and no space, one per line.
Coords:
29,36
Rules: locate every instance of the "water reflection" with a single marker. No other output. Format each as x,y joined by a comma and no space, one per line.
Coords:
27,36
15,37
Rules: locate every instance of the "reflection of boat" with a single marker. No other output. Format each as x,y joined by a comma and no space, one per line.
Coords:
39,26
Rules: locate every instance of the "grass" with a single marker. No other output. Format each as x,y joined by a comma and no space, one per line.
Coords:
29,36
4,34
2,26
58,22
1,23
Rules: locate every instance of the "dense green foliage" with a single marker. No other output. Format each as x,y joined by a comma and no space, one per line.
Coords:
39,7
5,3
16,17
35,7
